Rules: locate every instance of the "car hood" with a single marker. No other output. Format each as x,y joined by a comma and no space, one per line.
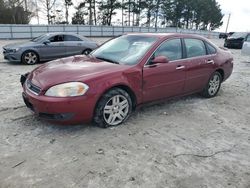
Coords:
75,68
19,45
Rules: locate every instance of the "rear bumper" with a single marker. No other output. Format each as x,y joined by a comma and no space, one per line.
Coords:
237,44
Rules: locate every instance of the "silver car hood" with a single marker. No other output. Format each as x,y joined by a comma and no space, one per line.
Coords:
20,45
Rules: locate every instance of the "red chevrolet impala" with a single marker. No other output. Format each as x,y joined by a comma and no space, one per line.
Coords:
123,73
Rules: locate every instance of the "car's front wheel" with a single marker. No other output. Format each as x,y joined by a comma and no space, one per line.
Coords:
30,58
213,85
113,108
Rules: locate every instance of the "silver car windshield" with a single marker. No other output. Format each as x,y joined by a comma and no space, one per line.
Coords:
126,50
39,38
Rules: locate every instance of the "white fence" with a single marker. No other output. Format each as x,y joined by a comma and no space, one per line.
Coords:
30,31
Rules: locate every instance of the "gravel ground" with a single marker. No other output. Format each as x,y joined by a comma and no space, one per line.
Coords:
189,142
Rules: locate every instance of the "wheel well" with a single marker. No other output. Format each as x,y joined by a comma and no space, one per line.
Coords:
128,90
221,73
131,94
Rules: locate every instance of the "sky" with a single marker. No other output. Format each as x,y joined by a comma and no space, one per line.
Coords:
239,10
240,15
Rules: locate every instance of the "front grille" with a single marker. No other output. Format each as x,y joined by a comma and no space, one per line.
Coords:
57,117
33,88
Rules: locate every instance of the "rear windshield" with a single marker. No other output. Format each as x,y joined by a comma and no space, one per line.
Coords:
238,35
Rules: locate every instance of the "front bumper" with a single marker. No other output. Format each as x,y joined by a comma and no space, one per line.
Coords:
13,57
68,110
48,116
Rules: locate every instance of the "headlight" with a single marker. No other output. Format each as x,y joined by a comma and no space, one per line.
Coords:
70,89
15,50
12,50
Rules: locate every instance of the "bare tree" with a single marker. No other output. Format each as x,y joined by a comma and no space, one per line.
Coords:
47,6
67,4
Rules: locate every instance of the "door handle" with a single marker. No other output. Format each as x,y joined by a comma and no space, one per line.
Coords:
210,61
179,67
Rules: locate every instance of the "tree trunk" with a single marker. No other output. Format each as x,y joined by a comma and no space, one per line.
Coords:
129,11
122,12
148,17
48,9
156,13
139,13
67,14
95,11
90,13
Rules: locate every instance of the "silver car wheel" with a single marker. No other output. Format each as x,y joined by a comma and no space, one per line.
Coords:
214,84
116,110
30,58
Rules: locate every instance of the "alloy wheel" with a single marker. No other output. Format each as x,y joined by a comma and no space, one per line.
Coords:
116,110
214,84
30,58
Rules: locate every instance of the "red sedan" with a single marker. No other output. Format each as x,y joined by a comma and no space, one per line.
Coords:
123,73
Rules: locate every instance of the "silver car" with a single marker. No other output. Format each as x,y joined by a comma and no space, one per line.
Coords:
246,46
48,47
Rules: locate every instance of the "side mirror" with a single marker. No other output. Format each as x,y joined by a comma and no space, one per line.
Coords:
160,59
46,42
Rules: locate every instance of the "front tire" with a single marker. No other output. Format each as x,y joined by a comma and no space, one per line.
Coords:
30,58
213,85
114,108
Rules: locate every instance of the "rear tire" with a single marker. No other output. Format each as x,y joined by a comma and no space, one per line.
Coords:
30,57
114,108
213,85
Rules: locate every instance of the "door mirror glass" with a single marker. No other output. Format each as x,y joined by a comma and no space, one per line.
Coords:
46,42
160,59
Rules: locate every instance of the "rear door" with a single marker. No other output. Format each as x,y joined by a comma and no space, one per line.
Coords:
73,45
166,79
199,65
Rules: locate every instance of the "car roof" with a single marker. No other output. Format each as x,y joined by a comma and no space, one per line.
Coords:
67,33
166,35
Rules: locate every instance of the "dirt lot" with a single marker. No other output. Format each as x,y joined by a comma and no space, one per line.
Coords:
190,142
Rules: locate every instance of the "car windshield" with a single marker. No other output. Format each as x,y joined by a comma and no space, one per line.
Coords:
238,35
39,38
126,50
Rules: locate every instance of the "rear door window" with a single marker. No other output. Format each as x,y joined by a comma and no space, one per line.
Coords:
195,48
71,38
210,49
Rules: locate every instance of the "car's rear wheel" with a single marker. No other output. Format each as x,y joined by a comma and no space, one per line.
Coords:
30,58
114,107
213,85
86,52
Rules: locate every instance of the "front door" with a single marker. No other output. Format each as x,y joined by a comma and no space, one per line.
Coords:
55,49
73,45
165,80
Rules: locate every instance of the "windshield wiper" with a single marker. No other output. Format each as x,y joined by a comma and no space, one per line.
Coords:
108,60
